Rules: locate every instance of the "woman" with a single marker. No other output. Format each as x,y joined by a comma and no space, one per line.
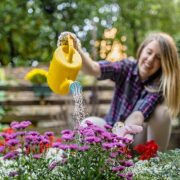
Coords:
147,94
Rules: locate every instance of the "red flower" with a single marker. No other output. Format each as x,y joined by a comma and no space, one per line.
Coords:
1,143
8,130
147,150
126,151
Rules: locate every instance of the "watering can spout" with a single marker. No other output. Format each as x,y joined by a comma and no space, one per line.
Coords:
64,67
64,86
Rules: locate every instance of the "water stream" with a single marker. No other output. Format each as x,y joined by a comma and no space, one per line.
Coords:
79,107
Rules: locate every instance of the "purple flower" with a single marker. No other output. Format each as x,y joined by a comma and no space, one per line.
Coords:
14,123
13,142
11,136
107,126
120,138
127,141
33,133
122,175
3,135
129,156
108,145
63,146
49,134
13,174
113,154
129,174
128,163
45,141
20,133
25,124
84,148
118,168
98,129
114,169
92,139
2,148
56,144
52,165
119,144
66,131
20,125
107,135
68,137
29,138
73,146
37,156
40,138
121,168
87,132
11,155
89,123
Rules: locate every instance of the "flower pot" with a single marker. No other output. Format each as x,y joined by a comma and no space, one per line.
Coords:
41,91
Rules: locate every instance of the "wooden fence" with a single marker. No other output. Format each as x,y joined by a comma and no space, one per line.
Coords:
21,96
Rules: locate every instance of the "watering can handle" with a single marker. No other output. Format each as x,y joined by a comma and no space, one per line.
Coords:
71,49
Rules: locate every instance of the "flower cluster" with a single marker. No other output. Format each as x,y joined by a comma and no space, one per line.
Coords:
147,151
87,152
93,152
37,76
21,146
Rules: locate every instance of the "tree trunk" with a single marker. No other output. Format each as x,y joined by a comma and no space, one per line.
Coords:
12,49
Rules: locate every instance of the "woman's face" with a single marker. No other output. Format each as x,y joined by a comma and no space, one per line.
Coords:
149,61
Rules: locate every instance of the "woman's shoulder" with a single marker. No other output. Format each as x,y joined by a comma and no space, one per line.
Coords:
128,63
125,65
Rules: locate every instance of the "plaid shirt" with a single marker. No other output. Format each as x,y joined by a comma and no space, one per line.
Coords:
130,94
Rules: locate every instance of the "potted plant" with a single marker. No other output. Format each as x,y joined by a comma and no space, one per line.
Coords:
38,77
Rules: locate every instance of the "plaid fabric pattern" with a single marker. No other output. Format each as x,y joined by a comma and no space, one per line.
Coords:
130,94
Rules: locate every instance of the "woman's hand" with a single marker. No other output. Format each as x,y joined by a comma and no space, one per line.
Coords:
127,131
62,39
88,65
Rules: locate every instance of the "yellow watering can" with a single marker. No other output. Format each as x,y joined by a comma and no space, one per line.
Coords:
64,67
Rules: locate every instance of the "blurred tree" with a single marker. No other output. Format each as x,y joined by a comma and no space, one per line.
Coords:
29,28
137,18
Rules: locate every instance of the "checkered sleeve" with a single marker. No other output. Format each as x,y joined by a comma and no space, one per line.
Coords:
115,71
148,104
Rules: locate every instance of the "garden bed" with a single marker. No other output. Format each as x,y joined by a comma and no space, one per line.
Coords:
84,153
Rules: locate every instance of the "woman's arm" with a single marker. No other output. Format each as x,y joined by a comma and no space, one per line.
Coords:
135,118
88,65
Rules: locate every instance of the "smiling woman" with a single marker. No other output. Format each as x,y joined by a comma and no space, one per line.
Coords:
149,60
146,92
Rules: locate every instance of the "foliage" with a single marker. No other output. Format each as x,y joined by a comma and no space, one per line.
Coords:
84,153
3,127
29,29
164,166
87,152
37,76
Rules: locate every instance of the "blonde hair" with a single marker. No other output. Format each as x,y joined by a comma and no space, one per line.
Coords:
170,65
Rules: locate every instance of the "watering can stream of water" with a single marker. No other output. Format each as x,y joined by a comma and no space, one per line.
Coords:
75,88
63,69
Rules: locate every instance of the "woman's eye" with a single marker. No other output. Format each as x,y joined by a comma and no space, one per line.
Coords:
149,52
